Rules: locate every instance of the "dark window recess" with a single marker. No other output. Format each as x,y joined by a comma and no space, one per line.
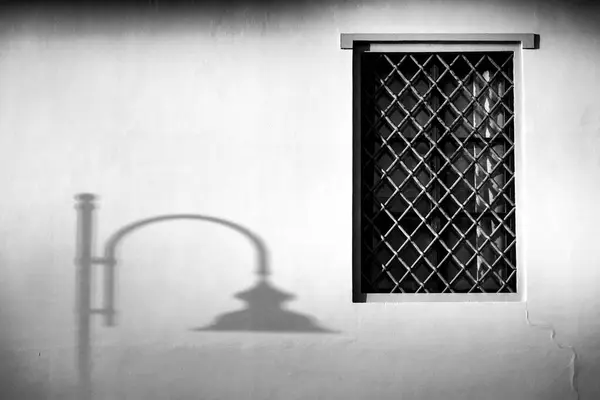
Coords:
437,188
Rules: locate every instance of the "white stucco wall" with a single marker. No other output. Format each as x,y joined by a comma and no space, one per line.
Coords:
245,113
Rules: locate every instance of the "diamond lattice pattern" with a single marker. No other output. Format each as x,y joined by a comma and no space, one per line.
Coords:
438,173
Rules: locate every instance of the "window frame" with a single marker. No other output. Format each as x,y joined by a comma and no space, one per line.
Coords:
434,43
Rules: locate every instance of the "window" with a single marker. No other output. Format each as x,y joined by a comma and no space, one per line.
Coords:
434,164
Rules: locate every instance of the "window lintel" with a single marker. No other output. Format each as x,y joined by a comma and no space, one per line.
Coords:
527,40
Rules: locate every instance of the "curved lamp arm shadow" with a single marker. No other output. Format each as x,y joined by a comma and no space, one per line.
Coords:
114,240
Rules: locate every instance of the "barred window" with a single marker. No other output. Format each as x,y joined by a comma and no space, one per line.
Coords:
435,202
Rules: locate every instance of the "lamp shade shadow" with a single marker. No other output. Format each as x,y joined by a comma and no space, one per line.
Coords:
264,313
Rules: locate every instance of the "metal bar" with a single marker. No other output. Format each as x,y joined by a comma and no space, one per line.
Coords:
439,47
527,40
85,208
109,291
357,258
100,311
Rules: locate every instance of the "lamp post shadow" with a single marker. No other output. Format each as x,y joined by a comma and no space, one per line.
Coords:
264,312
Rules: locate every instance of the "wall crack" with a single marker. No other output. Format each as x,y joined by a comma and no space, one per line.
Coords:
571,349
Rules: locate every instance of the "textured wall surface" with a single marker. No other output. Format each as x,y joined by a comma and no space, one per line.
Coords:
244,112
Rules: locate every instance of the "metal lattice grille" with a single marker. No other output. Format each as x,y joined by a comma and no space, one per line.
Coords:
438,204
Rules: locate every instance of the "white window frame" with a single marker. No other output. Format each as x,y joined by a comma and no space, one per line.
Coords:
389,43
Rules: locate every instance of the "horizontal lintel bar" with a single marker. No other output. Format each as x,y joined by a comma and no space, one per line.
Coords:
102,261
527,40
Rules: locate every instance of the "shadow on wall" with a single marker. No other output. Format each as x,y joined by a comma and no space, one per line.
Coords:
69,14
118,14
264,312
25,372
15,381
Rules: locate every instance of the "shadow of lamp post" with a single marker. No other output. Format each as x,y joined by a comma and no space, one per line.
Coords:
262,314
